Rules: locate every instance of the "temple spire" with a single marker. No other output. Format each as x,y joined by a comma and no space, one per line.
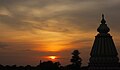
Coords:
104,55
103,28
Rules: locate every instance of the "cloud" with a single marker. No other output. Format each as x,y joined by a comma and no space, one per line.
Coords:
77,13
3,45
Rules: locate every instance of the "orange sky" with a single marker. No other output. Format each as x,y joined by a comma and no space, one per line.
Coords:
33,29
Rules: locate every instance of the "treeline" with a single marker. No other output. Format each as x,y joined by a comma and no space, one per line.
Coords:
49,65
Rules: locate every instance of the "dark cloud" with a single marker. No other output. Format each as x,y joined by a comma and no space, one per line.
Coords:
77,12
81,41
3,45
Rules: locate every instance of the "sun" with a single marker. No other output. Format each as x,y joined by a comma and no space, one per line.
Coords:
52,57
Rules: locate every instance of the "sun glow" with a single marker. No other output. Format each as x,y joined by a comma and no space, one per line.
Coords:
50,47
52,57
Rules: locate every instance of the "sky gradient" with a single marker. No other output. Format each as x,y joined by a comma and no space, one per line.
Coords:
31,30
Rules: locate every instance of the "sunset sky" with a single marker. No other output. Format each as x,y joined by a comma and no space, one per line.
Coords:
32,30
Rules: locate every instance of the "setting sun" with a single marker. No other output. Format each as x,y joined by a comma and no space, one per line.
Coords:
52,57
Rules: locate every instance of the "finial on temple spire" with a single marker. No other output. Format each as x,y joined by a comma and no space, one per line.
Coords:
103,20
102,16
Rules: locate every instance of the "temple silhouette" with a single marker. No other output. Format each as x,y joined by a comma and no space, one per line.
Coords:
103,55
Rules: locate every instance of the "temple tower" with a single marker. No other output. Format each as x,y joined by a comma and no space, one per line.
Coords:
103,53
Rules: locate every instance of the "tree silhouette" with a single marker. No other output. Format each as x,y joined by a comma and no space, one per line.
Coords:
76,60
49,65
